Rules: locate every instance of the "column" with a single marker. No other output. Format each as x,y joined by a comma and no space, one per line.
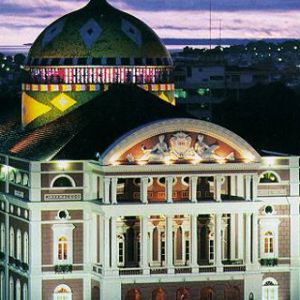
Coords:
113,241
255,181
114,185
218,240
144,190
169,244
218,184
144,245
232,237
240,185
240,249
193,246
169,189
248,187
248,239
106,184
194,181
233,185
105,253
255,239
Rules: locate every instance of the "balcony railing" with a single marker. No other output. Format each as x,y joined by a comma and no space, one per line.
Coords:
207,269
158,270
183,270
234,269
131,271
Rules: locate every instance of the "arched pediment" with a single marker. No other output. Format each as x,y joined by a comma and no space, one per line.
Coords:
179,141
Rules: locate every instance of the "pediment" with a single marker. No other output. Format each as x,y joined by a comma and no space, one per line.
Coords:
180,141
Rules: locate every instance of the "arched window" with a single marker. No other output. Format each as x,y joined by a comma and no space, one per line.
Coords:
18,290
2,238
133,294
179,244
155,244
25,248
11,289
25,292
63,181
19,244
269,242
11,242
2,294
206,294
270,289
62,292
183,294
62,248
269,177
159,294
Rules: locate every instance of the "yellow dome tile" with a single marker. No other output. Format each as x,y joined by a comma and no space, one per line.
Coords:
32,109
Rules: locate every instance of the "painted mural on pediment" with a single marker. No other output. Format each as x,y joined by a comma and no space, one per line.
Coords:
180,147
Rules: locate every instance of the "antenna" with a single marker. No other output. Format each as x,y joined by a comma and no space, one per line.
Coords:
220,32
210,25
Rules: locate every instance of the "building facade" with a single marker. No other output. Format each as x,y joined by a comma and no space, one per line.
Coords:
178,209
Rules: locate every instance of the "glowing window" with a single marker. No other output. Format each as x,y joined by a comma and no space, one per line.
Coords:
62,292
269,243
269,177
62,248
270,289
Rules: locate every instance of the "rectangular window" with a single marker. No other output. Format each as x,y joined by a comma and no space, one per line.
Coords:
121,253
187,250
211,249
163,249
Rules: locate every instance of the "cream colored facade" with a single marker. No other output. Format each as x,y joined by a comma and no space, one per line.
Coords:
154,217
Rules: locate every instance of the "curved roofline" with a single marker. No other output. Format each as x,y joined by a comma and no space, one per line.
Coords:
137,135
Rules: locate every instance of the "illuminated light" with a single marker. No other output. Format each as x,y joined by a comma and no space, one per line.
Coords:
269,161
7,69
167,160
295,47
115,163
196,161
279,59
63,165
221,160
142,162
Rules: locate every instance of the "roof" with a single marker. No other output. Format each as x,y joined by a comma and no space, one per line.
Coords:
98,31
76,136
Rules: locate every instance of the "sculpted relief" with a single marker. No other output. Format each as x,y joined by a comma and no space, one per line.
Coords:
179,147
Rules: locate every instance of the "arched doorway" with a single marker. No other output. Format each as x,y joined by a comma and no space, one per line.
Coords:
183,294
207,293
133,294
232,293
159,294
95,293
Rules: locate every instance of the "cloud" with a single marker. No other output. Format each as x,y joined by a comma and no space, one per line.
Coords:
217,5
21,21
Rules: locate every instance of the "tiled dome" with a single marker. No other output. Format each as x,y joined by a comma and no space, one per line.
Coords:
98,30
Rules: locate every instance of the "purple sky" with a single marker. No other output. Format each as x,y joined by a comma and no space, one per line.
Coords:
21,21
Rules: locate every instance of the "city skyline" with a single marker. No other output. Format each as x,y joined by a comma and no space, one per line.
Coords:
21,22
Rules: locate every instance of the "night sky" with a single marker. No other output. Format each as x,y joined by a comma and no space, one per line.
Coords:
21,21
